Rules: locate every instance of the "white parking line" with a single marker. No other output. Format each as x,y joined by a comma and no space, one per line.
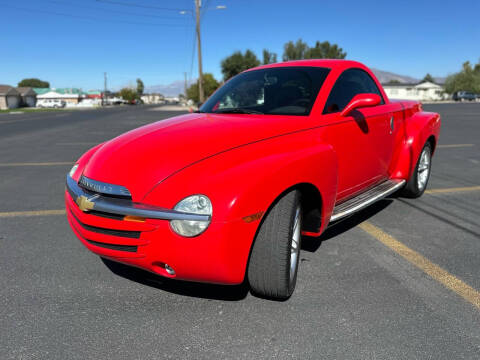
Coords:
455,145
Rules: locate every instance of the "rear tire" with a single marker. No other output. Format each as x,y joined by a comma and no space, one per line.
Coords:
417,183
273,266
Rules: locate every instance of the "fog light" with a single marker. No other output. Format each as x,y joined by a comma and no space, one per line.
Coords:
169,269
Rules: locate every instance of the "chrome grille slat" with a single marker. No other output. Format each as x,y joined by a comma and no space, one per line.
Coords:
112,232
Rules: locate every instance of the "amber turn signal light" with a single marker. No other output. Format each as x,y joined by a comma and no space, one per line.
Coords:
134,218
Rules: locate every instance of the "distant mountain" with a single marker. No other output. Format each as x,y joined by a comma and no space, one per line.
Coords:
176,87
173,89
385,77
439,80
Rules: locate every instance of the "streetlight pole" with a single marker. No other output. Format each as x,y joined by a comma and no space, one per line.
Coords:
104,88
200,71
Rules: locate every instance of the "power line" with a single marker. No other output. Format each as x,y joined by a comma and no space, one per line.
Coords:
117,11
204,9
122,3
82,17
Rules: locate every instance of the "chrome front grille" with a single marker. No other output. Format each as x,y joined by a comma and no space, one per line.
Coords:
112,232
99,187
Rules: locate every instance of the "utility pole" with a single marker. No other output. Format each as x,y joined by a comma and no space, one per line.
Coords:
104,88
200,72
185,86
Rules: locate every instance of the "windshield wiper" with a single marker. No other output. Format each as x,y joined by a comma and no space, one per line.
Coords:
237,111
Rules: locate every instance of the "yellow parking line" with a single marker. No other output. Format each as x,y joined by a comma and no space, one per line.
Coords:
455,145
436,272
31,213
61,163
452,190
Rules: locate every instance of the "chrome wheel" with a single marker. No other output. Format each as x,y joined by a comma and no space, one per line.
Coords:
295,244
423,170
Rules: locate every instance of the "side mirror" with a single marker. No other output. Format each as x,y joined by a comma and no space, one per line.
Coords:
359,101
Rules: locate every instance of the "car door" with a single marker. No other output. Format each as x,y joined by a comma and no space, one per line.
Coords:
361,140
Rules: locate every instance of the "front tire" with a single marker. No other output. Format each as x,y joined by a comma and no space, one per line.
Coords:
273,266
417,183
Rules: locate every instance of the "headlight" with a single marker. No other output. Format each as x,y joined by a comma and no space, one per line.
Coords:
195,204
72,171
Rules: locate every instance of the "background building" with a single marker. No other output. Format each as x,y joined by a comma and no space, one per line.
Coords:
153,98
28,96
69,95
94,94
423,91
9,97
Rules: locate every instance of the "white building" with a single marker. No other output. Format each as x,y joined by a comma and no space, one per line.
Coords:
424,91
153,98
69,98
172,100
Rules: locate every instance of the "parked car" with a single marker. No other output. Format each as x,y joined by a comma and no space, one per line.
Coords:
50,103
226,193
464,96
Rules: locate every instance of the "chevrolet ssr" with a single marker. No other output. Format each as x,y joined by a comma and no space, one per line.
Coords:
226,193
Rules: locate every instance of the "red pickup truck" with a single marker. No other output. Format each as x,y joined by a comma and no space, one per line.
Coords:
225,194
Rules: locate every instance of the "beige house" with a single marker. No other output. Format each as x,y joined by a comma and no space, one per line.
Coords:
424,91
9,97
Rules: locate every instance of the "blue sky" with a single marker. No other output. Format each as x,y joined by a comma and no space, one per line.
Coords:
72,42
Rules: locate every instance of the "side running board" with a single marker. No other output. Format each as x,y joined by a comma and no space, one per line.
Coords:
365,199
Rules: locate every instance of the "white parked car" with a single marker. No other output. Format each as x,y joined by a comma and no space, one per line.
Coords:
50,103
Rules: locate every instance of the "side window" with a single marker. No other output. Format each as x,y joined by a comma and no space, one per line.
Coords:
350,83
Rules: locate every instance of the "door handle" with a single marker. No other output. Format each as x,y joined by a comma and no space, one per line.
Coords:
392,124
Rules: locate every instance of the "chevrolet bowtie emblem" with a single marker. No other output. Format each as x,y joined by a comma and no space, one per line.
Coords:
85,203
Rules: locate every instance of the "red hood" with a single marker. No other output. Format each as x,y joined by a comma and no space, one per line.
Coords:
141,158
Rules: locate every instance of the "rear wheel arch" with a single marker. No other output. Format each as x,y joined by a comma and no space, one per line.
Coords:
420,128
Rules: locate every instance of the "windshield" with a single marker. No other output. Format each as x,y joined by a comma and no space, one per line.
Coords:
271,91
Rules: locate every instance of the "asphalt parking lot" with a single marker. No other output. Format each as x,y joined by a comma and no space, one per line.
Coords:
400,280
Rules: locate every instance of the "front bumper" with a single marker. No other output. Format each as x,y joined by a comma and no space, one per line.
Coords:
89,201
219,255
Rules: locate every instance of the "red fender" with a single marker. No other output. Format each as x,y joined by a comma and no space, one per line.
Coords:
258,182
418,128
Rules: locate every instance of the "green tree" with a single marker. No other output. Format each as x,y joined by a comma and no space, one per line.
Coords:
269,57
209,86
34,82
128,94
468,79
238,62
294,51
322,50
325,50
429,78
140,87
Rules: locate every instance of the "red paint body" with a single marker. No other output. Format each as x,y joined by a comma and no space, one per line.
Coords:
243,163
